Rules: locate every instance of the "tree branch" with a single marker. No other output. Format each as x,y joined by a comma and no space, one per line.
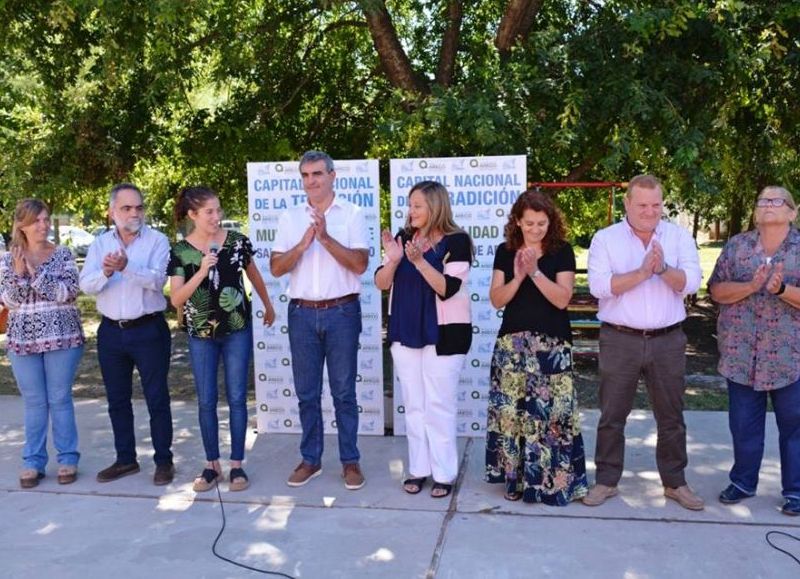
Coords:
449,51
516,24
393,58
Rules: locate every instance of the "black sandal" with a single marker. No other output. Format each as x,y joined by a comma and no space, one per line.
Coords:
512,496
441,487
239,480
206,481
416,482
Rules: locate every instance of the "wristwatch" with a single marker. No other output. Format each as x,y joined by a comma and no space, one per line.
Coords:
536,273
663,269
781,289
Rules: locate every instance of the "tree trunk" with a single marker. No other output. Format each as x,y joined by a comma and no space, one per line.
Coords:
394,60
515,24
447,56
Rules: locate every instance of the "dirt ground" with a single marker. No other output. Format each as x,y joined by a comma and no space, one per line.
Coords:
700,327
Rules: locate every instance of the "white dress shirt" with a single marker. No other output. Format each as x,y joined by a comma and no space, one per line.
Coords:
317,275
138,289
652,304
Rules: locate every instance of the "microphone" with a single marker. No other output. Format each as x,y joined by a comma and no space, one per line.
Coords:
213,249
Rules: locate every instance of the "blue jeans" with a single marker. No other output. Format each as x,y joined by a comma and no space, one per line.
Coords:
317,336
747,416
147,347
45,381
236,349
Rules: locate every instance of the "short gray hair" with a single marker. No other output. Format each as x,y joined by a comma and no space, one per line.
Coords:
314,156
121,187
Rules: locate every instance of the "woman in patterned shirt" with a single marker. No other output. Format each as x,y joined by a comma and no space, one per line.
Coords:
39,284
755,282
205,272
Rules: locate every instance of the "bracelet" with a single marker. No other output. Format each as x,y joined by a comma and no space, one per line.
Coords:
781,289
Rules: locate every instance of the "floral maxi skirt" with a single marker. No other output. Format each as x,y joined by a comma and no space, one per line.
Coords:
533,437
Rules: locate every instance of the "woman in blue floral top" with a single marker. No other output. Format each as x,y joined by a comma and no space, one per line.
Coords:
205,272
39,285
756,281
534,444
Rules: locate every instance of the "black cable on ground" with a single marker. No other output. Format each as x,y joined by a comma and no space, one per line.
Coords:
231,561
774,546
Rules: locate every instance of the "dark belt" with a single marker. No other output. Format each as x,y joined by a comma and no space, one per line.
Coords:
643,333
126,324
324,304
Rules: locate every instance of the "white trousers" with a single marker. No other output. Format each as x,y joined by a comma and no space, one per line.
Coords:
429,387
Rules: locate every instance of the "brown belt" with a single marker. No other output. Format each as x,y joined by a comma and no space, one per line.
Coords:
643,333
324,304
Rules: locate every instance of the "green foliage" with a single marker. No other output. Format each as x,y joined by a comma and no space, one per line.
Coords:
170,93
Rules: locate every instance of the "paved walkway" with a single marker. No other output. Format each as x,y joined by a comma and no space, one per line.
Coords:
130,528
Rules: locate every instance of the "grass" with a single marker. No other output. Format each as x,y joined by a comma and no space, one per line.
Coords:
708,252
89,383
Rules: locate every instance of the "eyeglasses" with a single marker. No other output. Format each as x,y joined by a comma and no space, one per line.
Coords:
771,202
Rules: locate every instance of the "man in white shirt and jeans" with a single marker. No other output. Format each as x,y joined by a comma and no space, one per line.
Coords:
641,269
322,244
126,269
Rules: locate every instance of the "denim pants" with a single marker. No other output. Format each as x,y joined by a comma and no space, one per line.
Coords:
45,381
147,347
316,337
746,417
235,349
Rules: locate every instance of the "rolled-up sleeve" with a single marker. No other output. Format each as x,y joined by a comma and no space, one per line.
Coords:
689,262
599,266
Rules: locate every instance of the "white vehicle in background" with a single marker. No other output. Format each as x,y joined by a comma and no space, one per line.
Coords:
231,224
77,239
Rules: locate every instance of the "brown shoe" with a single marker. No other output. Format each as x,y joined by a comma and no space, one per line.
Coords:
164,474
304,473
685,497
67,474
353,479
599,494
117,470
29,478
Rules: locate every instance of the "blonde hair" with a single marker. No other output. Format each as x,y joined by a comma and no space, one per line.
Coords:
438,200
644,182
25,213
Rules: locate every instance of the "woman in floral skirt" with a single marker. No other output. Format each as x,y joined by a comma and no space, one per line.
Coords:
533,438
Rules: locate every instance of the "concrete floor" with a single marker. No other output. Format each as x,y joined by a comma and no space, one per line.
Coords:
130,528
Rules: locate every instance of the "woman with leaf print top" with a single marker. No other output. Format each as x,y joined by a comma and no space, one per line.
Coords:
205,272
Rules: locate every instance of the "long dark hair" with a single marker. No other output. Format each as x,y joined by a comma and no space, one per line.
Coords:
537,201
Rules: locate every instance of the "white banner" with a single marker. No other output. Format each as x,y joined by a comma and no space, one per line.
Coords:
482,191
272,188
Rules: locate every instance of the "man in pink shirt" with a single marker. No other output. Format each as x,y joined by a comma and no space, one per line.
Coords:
641,269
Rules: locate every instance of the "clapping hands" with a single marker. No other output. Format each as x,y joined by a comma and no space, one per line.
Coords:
392,247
